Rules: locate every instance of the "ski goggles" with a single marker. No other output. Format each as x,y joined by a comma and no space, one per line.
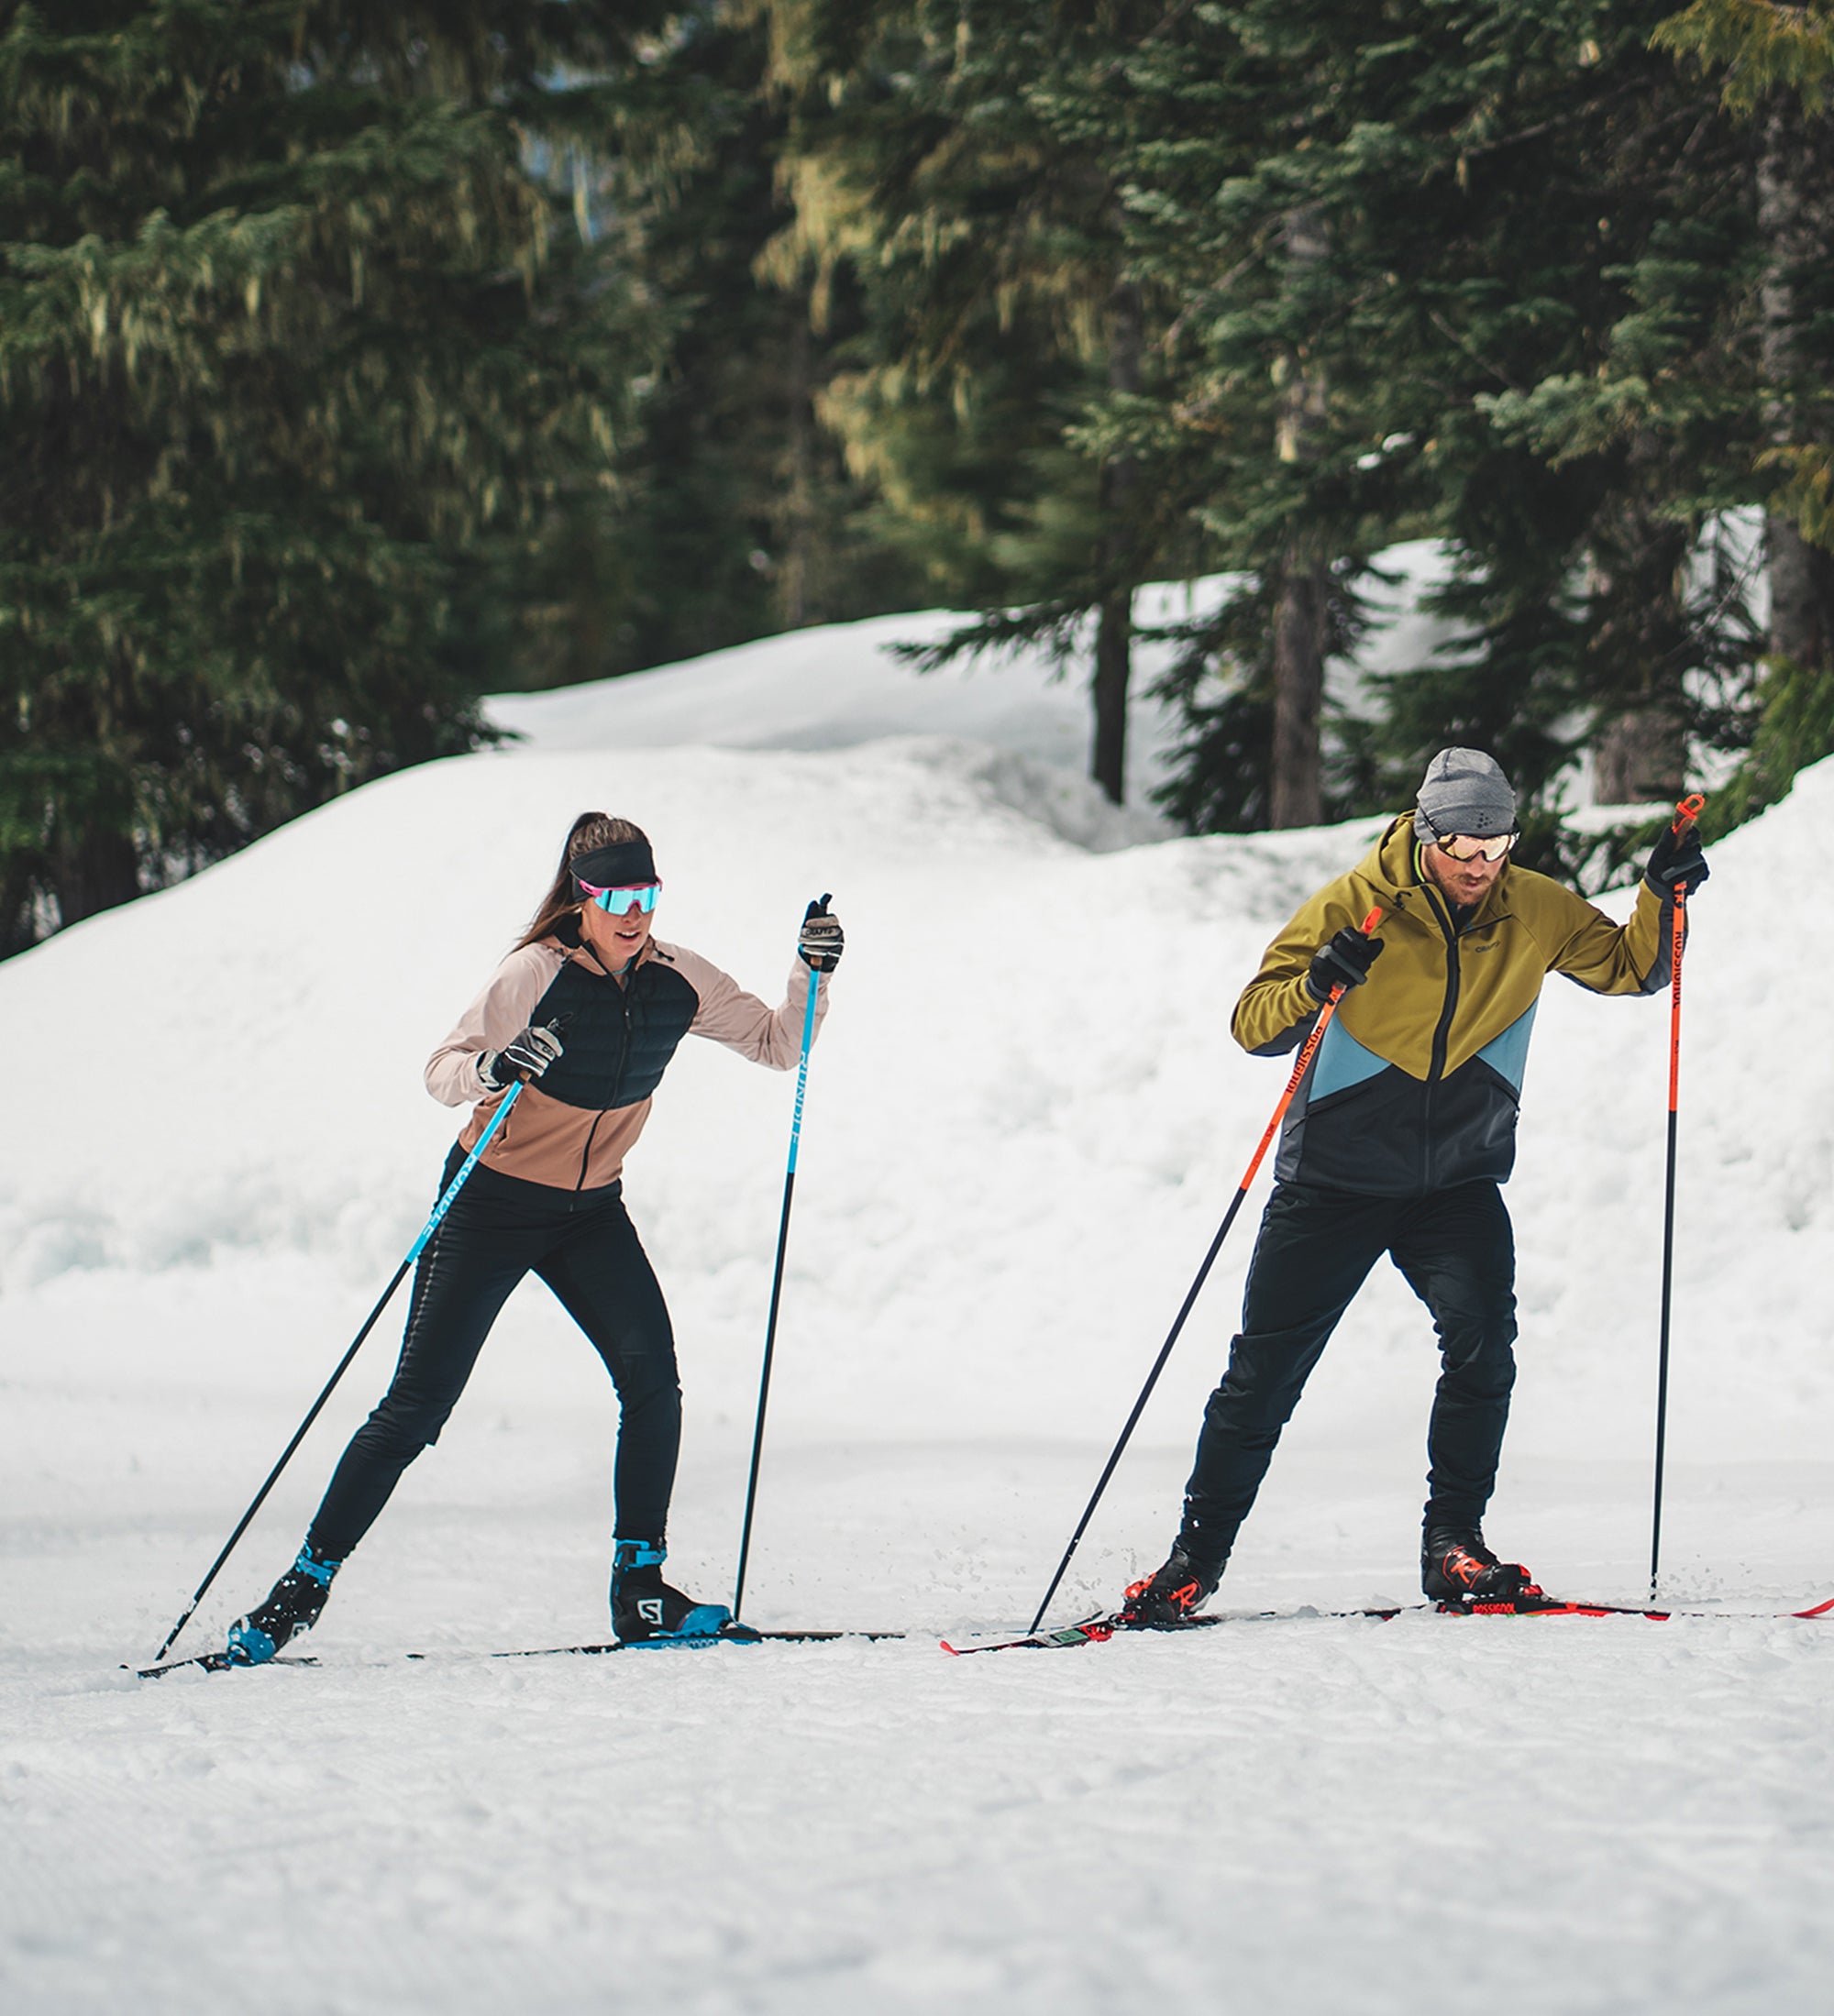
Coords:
1468,846
642,896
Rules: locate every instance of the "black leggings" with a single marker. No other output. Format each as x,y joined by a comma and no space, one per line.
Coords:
583,1246
1315,1250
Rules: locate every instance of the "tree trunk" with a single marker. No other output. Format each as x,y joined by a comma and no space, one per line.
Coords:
1302,597
1301,613
91,870
1117,492
19,922
1795,222
792,580
1640,757
1114,666
1642,639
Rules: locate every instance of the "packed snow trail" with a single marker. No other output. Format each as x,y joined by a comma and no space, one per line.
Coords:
1412,1817
1024,1120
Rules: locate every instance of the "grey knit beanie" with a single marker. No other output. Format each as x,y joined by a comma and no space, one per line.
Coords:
1465,791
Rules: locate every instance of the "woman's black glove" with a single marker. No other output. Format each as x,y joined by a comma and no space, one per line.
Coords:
1676,857
821,940
1343,962
525,1057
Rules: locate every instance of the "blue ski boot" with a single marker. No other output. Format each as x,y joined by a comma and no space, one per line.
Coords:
291,1608
646,1611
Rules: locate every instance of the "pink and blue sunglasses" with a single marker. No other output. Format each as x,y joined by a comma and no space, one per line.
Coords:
620,902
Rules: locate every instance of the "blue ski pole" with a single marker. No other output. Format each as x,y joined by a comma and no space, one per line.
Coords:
777,1276
414,1251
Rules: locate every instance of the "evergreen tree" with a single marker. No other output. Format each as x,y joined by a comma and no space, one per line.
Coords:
1775,69
1235,209
940,167
735,514
1407,245
293,353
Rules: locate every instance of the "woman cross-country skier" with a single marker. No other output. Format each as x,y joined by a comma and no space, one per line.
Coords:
586,1011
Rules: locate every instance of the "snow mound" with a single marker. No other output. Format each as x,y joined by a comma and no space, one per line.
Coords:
1026,1112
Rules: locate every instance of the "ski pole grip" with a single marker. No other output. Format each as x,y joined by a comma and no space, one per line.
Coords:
1367,927
1686,813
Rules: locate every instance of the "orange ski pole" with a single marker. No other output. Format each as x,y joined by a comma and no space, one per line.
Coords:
1196,1289
1686,813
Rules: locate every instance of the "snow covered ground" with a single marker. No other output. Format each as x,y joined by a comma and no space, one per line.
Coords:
1025,1119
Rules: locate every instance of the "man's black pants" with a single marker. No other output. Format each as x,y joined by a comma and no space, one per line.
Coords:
1314,1251
583,1246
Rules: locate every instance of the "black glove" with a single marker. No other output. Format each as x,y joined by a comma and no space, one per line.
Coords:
1343,962
1676,857
821,940
525,1057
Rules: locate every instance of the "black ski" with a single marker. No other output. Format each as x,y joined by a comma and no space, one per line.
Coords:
221,1662
744,1635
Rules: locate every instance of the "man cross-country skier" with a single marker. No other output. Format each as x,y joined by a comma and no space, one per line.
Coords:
1398,1142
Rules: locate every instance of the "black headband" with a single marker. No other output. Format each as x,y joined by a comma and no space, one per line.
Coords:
625,865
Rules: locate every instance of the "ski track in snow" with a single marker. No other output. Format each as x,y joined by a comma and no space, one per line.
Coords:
1024,1120
1418,1816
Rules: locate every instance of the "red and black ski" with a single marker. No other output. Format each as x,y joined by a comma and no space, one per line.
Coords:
1097,1630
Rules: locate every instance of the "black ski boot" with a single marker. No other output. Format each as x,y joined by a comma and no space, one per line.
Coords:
1168,1596
291,1608
1459,1572
646,1609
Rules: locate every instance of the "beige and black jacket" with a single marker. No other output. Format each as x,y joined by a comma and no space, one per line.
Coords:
572,1129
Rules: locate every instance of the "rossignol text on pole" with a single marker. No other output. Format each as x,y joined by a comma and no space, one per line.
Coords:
1196,1289
414,1251
777,1279
1685,814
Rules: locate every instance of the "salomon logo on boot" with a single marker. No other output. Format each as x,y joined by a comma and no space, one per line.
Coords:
1459,1572
291,1609
1169,1595
646,1610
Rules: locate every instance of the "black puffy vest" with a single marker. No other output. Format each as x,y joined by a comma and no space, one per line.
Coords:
618,1039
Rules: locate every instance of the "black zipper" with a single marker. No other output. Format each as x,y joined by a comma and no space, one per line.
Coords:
1442,1035
586,1152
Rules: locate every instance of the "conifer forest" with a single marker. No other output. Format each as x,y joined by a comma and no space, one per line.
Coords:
357,361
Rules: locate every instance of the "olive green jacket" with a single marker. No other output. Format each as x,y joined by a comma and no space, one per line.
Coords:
1415,1084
